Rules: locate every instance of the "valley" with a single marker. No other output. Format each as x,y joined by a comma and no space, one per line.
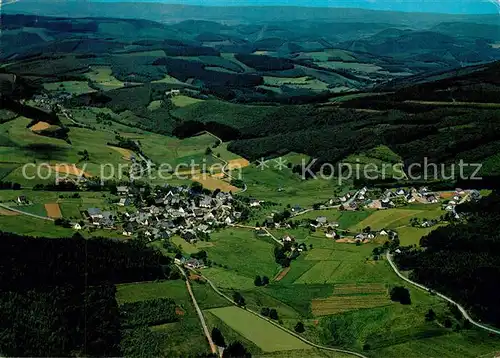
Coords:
229,182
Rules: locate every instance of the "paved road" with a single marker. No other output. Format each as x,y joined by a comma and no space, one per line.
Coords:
25,213
213,347
281,327
462,310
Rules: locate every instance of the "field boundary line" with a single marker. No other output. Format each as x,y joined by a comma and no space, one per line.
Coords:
422,287
25,213
338,350
213,347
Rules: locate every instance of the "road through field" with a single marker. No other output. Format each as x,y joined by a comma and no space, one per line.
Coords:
462,310
25,213
213,347
281,327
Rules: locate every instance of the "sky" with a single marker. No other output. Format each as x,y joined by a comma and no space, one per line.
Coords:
439,6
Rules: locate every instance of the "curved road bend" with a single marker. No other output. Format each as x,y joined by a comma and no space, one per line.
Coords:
213,347
422,287
359,355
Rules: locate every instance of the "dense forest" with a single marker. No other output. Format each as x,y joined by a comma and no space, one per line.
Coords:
438,135
462,260
58,295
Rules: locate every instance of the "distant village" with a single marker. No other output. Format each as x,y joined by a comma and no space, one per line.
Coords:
378,200
171,211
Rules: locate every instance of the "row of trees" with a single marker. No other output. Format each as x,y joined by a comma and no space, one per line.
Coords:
7,185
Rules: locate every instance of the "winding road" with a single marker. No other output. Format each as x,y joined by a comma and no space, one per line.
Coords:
422,287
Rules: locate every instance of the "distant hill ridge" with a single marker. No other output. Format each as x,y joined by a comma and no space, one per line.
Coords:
233,14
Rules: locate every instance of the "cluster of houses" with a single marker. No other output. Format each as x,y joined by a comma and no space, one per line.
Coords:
173,211
331,230
392,198
101,219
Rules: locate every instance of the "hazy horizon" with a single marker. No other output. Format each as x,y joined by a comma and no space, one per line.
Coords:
429,6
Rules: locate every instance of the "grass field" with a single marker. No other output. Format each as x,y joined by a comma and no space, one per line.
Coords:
224,153
385,219
322,272
35,209
411,235
230,335
24,225
183,101
266,336
190,248
231,245
135,292
169,80
310,353
103,78
284,187
228,279
297,82
74,87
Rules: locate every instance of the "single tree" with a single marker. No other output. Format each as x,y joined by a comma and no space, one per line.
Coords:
218,338
236,350
430,315
265,280
299,327
273,314
258,281
401,295
239,299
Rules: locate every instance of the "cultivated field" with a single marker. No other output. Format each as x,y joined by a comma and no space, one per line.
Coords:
266,336
338,304
214,183
5,212
385,219
362,288
237,163
282,274
53,210
40,126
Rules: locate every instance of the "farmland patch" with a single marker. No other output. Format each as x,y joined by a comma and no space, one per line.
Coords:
322,272
53,210
339,304
265,335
